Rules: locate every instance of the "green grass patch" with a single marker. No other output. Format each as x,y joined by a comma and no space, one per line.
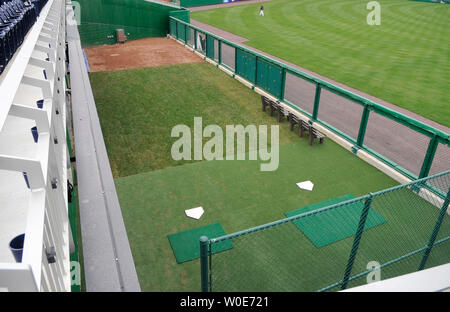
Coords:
236,194
138,109
405,60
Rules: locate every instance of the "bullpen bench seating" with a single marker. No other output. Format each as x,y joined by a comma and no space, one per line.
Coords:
313,134
274,106
293,119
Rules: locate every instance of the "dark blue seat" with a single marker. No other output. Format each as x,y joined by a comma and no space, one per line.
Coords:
9,34
3,59
16,19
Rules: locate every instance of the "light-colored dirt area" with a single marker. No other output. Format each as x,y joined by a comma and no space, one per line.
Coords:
139,53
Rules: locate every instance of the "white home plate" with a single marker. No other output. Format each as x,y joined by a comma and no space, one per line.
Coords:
195,213
306,185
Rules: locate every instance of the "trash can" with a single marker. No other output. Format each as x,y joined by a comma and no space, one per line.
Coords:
16,247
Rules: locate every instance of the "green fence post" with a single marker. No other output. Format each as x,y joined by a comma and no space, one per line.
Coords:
316,101
176,30
235,59
219,46
283,83
358,235
429,156
436,228
363,126
204,263
195,39
185,34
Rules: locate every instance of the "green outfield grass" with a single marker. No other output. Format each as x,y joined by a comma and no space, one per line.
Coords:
139,107
405,60
137,110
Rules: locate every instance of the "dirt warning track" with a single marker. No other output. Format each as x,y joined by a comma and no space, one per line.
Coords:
139,53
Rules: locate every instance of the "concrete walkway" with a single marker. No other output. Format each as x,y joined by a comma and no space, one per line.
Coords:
398,143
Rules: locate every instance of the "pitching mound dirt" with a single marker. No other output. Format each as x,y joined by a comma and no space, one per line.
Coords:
139,53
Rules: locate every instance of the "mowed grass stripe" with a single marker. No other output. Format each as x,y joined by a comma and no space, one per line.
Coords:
404,61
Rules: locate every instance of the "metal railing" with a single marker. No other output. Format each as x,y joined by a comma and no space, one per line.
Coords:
410,147
403,229
34,165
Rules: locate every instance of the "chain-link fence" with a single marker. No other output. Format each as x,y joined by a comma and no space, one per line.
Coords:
394,232
441,160
412,148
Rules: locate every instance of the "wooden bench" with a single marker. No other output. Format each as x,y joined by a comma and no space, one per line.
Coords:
305,126
302,125
274,106
293,119
282,112
313,134
265,102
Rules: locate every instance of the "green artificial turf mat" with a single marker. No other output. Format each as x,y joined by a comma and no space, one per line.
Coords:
186,244
336,224
240,196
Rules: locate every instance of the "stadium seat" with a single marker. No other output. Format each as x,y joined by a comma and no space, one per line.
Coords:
2,51
16,19
8,30
38,5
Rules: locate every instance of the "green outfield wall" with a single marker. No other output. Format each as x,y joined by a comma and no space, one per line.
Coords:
99,19
191,3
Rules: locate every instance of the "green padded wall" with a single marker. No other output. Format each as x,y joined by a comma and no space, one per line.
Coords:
269,77
190,3
246,65
181,14
139,18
